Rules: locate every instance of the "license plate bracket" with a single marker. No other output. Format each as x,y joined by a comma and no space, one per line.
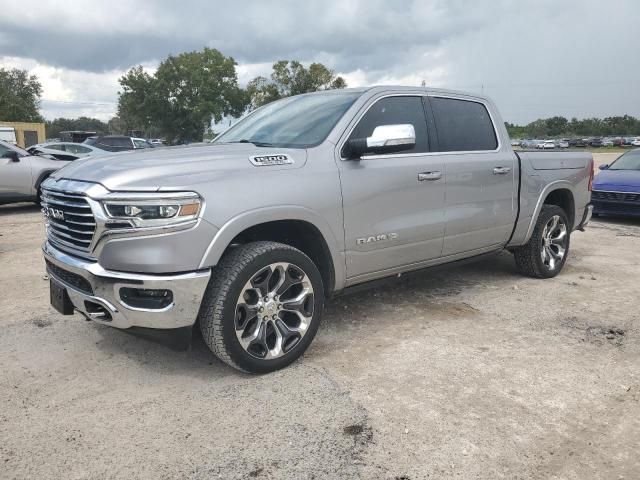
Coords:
60,298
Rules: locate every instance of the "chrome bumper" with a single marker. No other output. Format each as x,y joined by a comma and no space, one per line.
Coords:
187,288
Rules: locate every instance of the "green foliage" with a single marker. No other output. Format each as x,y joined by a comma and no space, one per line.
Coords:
19,96
291,78
182,97
86,124
561,127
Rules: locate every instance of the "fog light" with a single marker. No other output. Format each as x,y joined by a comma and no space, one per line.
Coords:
144,298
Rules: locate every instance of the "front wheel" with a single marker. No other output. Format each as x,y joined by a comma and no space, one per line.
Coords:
546,252
262,307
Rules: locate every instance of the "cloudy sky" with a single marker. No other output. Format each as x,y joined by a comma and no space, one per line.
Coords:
536,58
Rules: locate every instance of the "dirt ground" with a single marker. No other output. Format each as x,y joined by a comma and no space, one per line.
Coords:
475,372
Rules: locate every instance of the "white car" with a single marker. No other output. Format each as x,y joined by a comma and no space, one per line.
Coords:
549,145
636,142
65,150
563,144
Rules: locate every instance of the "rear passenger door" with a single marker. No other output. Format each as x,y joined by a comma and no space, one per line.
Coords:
393,203
480,206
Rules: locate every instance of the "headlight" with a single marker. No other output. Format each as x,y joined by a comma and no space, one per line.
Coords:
149,210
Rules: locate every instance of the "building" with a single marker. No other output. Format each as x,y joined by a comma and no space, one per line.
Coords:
27,134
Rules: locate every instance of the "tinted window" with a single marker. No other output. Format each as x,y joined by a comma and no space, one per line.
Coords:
396,111
463,125
3,150
77,149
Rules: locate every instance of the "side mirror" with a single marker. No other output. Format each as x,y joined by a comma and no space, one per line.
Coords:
384,139
11,155
604,166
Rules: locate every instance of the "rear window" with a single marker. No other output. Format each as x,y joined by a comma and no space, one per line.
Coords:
463,125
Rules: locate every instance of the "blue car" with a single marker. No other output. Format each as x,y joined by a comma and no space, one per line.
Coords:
616,189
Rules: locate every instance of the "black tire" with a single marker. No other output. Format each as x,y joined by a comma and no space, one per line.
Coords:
217,316
529,258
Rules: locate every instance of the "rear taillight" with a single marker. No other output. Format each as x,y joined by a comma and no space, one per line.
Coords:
591,173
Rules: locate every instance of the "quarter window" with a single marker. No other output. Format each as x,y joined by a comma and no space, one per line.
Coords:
395,111
463,125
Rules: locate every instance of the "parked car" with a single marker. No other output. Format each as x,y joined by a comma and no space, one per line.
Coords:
578,142
290,217
515,143
156,142
117,143
540,144
616,189
635,142
21,173
549,145
563,144
66,150
595,142
607,142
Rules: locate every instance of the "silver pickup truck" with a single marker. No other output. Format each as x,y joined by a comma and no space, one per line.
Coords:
302,199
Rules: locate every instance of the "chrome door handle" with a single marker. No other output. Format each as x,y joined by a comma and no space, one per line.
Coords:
501,170
424,176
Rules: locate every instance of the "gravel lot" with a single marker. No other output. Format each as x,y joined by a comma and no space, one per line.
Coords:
475,372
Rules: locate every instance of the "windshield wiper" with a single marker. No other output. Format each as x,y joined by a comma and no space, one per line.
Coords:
254,142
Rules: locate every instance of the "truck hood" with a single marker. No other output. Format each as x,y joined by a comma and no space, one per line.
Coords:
618,180
173,168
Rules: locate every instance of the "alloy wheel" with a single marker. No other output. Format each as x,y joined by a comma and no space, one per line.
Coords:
554,242
274,310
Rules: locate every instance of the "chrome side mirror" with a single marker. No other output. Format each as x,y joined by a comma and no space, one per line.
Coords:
384,139
392,135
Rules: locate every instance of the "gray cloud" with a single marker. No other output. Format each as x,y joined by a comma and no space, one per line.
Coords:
535,57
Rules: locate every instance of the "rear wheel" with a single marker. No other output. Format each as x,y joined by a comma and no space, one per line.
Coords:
546,252
262,307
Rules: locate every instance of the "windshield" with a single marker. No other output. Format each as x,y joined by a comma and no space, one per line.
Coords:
628,161
15,148
297,122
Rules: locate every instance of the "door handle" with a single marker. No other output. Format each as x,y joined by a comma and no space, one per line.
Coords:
501,170
424,176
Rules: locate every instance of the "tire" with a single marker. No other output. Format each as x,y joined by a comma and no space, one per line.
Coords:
540,258
235,307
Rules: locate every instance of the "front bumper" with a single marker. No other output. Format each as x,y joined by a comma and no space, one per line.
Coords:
95,292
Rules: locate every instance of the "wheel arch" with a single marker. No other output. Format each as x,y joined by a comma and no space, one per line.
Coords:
42,176
558,193
299,227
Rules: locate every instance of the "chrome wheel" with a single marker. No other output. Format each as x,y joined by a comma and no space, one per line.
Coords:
554,242
274,310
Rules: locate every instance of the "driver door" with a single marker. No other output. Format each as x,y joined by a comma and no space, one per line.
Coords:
15,177
393,203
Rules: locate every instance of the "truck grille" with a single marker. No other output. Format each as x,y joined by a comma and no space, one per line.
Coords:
70,221
616,196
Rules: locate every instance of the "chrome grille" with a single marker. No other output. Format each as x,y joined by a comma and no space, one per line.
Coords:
70,221
616,196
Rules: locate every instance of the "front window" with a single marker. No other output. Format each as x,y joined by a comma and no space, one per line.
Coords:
628,161
297,122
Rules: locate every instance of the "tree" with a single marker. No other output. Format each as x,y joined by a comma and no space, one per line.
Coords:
136,106
183,95
19,96
86,124
292,78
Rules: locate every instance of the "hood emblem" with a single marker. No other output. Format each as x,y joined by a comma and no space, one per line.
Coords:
270,160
